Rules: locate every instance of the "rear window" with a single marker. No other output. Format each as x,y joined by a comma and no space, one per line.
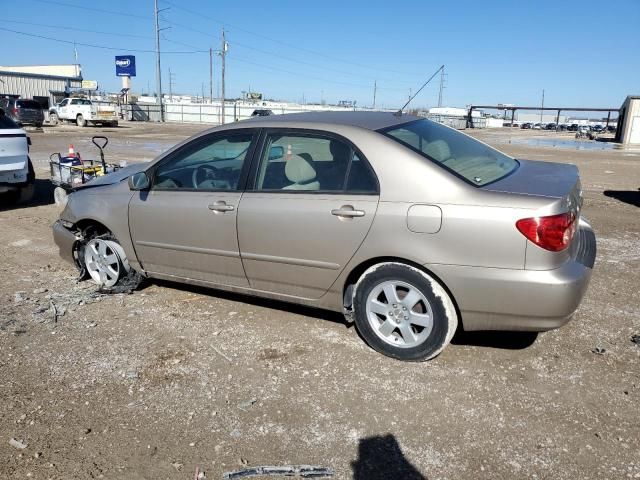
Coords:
6,123
465,156
28,104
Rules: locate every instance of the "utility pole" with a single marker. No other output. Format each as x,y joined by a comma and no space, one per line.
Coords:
158,72
441,87
170,86
223,54
541,111
375,88
210,77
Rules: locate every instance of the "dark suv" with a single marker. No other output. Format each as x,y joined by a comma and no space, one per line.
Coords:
23,112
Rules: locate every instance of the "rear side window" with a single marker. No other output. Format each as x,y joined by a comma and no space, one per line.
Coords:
31,104
313,162
468,158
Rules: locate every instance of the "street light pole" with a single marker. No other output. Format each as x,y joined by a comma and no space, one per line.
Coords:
223,54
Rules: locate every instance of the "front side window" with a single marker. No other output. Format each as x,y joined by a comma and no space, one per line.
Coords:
312,162
467,157
210,163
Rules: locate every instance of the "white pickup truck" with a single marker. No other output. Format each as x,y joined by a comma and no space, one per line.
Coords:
83,112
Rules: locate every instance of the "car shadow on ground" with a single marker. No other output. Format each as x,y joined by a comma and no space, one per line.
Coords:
491,339
380,457
495,339
43,195
258,301
632,197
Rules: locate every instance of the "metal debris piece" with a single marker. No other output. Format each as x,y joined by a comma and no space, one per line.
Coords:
599,350
244,405
222,355
17,444
635,339
305,471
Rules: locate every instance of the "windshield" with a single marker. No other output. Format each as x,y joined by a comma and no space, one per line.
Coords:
6,123
465,156
28,104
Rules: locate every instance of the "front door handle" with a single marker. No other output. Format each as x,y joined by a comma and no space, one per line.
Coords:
220,207
347,211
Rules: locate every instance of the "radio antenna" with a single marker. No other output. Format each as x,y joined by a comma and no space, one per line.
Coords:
399,112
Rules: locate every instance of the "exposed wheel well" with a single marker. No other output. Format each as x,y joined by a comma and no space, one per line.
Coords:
357,272
91,226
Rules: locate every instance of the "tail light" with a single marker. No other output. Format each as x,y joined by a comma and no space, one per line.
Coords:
553,233
14,110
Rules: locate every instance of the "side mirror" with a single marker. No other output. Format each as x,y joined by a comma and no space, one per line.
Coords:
276,152
139,181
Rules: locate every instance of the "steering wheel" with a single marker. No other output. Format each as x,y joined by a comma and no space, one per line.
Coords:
202,173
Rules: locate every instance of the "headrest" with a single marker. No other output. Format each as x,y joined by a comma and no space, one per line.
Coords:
339,151
299,170
438,150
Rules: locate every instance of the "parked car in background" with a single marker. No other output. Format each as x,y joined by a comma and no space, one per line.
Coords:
23,112
537,126
83,112
551,126
308,208
573,127
611,128
597,128
261,112
17,176
527,125
562,127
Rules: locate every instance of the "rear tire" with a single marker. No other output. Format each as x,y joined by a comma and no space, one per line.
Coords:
80,121
403,312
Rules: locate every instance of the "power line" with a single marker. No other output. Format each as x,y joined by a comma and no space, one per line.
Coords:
330,57
104,47
93,9
116,34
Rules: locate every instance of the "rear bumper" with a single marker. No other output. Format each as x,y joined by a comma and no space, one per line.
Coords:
526,300
65,240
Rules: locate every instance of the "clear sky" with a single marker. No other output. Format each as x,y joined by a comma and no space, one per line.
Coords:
583,53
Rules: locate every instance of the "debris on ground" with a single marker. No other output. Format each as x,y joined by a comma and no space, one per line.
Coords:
599,350
635,339
305,471
20,445
245,405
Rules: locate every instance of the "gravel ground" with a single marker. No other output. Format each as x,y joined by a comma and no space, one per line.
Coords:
173,379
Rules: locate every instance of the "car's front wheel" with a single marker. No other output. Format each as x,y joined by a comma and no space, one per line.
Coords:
105,261
403,312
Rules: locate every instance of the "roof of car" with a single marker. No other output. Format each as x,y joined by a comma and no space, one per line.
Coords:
368,120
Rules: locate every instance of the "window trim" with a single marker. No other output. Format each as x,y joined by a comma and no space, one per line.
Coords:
385,131
259,154
244,172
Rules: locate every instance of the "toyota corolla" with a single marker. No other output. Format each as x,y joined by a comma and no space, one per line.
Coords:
410,228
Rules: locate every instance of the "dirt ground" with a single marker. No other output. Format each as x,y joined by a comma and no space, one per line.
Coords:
171,379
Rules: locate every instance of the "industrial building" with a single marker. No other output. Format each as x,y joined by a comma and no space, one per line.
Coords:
46,84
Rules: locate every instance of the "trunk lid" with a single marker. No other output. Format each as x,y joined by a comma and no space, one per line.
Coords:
558,181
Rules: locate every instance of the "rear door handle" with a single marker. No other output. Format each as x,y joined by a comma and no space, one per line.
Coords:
220,207
347,211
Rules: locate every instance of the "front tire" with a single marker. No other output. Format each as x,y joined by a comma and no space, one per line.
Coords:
105,261
403,312
53,119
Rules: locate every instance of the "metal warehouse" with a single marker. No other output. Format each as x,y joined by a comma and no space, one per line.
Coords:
44,83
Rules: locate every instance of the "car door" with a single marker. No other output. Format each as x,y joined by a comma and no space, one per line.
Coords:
63,108
308,207
185,224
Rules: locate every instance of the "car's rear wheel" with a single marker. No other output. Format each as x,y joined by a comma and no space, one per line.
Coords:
403,312
105,261
80,121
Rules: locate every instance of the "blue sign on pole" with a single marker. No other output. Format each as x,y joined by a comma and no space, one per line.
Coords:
125,66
